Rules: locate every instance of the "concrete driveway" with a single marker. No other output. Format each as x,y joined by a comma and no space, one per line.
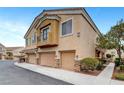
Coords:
12,75
104,78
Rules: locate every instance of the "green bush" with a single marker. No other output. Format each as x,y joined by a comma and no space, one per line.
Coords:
89,63
100,66
122,67
102,60
119,76
117,61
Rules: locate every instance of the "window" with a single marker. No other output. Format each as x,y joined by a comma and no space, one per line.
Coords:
28,41
34,38
44,34
67,27
0,49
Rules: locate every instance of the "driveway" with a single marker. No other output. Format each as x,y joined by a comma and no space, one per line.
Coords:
13,75
104,78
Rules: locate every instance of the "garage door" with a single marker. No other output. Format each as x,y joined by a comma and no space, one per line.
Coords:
32,58
67,59
48,59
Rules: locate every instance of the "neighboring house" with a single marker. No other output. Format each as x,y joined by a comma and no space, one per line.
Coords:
10,52
114,54
60,38
2,51
17,54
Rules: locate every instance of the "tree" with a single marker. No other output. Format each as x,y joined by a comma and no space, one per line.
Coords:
116,37
9,55
102,42
113,39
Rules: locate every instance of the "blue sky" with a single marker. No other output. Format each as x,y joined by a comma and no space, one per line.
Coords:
14,22
104,18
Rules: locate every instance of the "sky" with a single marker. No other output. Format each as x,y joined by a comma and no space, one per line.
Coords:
106,17
14,22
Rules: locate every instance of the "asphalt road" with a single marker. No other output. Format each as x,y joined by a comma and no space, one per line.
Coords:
12,75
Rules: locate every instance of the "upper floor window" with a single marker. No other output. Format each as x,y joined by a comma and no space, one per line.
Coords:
1,49
34,38
28,41
67,27
44,33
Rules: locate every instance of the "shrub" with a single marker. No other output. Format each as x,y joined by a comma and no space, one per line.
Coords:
117,61
89,63
108,55
122,61
119,76
102,60
100,66
122,67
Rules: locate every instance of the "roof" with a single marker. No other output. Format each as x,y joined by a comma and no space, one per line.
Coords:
12,48
63,9
2,45
66,11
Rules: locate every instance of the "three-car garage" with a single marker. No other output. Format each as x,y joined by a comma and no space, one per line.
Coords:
67,59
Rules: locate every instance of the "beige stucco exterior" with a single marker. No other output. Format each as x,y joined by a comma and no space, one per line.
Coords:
17,53
2,52
82,40
84,45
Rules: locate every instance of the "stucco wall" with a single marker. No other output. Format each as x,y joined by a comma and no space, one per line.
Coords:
33,45
84,45
17,51
2,51
87,40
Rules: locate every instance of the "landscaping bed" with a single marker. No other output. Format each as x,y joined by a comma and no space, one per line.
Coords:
94,73
92,66
117,74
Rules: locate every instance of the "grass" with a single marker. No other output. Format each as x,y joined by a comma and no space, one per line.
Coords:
119,76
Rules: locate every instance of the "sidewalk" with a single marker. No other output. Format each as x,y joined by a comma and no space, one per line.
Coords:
104,78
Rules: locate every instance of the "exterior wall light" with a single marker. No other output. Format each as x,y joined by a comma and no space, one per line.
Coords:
78,34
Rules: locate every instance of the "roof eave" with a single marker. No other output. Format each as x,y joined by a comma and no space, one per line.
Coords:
84,13
91,22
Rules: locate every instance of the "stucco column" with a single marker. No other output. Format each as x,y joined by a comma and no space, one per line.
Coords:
37,58
77,64
57,58
26,58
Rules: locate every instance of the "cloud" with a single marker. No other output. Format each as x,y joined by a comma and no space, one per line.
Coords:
12,33
13,27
